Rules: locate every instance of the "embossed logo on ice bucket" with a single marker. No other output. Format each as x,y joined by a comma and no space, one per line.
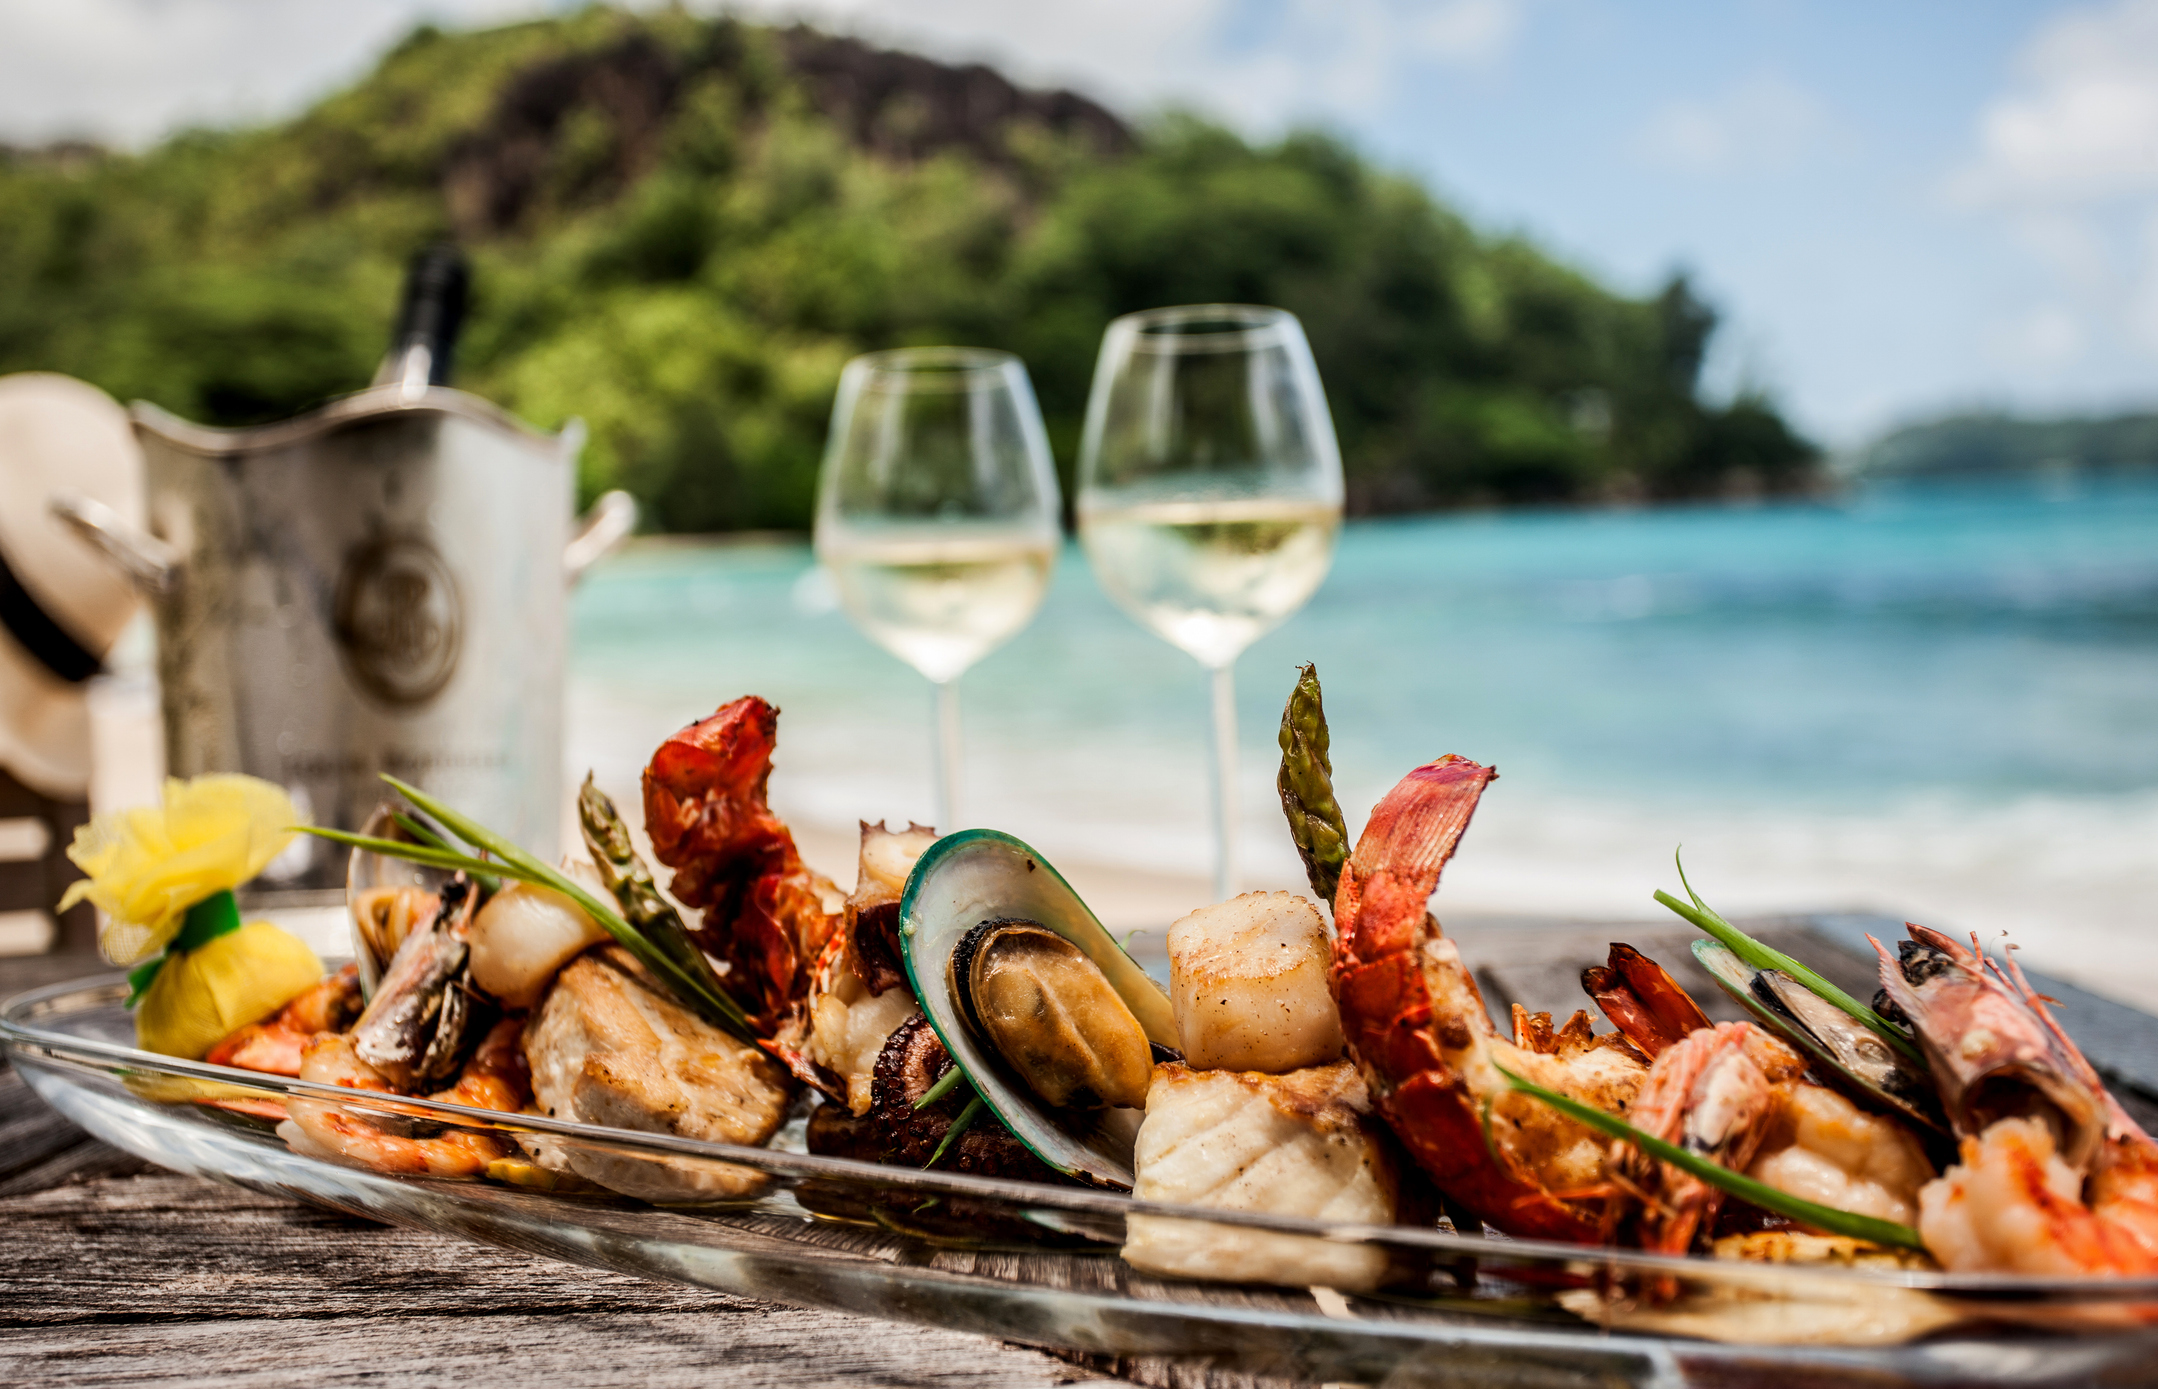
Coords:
400,623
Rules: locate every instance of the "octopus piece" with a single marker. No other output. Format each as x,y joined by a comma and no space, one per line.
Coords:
858,992
893,1130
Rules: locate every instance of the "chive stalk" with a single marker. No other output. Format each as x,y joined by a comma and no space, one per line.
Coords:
1768,1198
704,997
1762,956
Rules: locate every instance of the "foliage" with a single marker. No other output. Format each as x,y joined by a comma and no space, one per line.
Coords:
681,228
1981,445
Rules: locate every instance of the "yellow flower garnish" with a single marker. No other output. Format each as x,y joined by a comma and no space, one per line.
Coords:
147,866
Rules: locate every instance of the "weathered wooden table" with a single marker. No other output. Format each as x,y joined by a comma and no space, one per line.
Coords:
113,1272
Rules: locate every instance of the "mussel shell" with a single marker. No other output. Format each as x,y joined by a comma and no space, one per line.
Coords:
369,876
426,1016
975,876
1050,1012
1828,1036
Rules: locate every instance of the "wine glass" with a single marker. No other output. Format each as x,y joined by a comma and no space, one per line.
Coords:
937,516
1210,493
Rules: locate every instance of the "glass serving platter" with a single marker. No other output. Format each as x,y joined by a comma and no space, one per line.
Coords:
1039,1264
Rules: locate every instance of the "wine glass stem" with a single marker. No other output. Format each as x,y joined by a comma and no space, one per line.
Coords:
1225,875
948,755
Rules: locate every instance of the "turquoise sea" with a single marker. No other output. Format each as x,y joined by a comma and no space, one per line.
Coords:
1934,700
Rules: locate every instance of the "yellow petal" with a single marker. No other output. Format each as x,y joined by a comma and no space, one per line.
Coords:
206,995
148,865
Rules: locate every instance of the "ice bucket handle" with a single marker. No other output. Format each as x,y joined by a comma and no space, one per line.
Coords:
149,561
612,517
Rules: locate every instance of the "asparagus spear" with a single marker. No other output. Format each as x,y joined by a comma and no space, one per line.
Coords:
1307,787
624,872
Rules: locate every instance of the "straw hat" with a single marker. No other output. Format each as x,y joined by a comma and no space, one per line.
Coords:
62,603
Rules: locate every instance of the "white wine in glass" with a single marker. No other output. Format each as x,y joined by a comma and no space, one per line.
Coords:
1210,494
937,516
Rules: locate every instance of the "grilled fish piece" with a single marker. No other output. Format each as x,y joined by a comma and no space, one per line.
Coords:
1301,1144
610,1046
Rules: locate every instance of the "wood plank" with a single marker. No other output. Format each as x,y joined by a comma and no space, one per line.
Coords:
166,1280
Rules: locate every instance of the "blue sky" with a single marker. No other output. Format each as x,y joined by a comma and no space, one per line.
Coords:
1901,208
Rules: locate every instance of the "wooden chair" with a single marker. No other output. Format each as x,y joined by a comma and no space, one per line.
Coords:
34,882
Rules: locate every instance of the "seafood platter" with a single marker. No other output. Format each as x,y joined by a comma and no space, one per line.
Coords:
947,1094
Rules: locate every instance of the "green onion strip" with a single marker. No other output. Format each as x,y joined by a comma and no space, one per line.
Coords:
1762,956
959,1126
951,1080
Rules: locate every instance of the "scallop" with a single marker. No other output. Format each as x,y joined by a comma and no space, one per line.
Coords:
1052,1023
522,936
1248,981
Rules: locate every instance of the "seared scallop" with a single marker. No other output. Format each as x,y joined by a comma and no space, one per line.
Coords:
1248,983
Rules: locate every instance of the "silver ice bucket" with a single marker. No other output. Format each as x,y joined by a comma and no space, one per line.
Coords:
379,586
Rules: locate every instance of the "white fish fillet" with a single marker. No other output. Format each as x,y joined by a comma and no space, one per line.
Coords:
1301,1144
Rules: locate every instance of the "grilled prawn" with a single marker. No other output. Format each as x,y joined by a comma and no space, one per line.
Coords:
380,1140
2054,1177
1416,1023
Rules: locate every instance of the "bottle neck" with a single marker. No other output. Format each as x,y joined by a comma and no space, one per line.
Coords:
428,321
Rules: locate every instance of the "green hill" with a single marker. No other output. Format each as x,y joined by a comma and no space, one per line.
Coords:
681,228
1991,444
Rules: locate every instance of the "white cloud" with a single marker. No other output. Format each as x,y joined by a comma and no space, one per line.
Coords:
2141,308
2046,337
127,71
1468,31
1259,66
130,70
1766,122
2066,161
2082,123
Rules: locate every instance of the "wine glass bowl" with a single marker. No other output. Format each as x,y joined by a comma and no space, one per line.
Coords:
937,515
1210,492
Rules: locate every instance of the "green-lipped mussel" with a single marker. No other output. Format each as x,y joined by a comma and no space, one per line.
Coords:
1051,1021
1826,1034
1050,1013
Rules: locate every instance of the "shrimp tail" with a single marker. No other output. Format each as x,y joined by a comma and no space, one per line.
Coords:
1642,1000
